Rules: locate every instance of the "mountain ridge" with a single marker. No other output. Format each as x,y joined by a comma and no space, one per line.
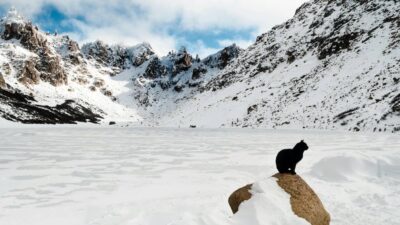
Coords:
334,65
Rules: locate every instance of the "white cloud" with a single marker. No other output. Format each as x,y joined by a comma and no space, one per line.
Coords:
125,33
202,50
234,14
239,42
134,21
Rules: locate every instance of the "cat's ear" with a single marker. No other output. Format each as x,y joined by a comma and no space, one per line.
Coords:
302,141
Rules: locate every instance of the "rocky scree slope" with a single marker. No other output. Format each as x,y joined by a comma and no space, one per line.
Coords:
334,65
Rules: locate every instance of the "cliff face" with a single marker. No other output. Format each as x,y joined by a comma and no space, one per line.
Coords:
46,65
334,65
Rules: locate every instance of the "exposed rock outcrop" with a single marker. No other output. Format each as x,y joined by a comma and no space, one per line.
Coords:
48,67
303,200
24,108
396,104
116,55
25,32
305,203
99,83
98,51
140,53
106,55
222,58
29,73
155,69
73,46
239,196
197,72
51,69
2,81
75,55
182,61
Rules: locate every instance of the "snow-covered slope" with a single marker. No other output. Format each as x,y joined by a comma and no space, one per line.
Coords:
51,71
44,71
334,65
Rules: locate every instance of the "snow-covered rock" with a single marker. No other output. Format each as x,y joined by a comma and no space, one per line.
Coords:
19,107
222,58
263,201
46,65
304,201
140,53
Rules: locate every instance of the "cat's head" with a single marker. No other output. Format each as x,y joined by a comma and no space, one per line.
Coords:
302,146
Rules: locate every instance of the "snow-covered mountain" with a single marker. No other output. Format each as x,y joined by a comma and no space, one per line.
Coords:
334,65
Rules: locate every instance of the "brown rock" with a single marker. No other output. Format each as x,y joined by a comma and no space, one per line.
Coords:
183,63
51,69
2,81
186,60
75,55
27,33
73,46
48,68
106,92
82,80
29,74
305,203
99,83
75,58
239,196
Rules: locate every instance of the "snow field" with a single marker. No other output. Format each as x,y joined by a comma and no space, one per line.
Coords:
125,176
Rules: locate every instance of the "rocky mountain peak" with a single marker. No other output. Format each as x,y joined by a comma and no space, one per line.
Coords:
140,53
222,58
99,51
44,63
182,61
116,55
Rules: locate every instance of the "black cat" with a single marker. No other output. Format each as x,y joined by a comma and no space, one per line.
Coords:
287,159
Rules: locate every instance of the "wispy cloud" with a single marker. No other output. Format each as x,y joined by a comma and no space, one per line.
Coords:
164,24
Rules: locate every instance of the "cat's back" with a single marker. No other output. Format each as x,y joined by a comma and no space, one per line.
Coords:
283,155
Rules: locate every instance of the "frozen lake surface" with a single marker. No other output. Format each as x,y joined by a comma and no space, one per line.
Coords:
144,176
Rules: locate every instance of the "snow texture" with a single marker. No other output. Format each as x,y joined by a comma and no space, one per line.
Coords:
154,176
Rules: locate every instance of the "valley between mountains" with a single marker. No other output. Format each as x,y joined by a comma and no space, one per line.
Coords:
334,65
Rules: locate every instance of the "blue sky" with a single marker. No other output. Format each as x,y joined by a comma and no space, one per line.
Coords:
203,26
